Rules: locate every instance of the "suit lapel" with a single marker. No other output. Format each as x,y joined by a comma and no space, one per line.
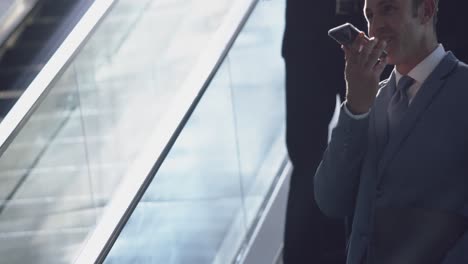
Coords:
422,100
381,120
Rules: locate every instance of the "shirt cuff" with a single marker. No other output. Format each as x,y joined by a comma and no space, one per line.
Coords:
353,116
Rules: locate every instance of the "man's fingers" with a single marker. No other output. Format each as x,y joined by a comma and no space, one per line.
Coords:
353,50
379,67
368,49
375,54
346,51
357,43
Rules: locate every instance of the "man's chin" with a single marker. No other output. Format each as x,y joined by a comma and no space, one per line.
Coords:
392,54
390,60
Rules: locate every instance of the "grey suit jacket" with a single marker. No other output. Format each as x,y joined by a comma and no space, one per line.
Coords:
423,165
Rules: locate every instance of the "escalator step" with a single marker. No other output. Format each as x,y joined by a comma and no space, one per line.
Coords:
7,80
33,45
56,8
6,105
37,32
17,79
47,20
21,57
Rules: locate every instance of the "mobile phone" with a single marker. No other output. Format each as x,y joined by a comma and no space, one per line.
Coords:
346,34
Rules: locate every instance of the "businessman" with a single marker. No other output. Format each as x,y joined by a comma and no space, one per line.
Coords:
398,158
313,80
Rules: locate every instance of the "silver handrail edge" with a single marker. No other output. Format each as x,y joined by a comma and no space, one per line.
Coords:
274,192
36,91
141,173
275,161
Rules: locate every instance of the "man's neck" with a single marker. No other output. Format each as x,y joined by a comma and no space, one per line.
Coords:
405,68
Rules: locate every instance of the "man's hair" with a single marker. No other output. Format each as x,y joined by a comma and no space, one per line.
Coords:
417,4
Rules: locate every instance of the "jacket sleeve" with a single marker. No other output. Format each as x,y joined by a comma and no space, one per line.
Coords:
337,177
458,254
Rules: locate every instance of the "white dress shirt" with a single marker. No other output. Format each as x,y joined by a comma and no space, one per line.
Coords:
418,73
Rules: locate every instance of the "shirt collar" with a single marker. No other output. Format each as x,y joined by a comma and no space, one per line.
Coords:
425,67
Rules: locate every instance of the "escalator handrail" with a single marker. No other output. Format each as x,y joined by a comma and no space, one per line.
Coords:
36,92
142,172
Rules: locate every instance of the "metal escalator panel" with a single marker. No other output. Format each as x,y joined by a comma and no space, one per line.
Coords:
37,28
82,123
204,199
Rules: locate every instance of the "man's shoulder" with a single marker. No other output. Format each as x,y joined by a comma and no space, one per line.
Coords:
462,68
460,72
458,79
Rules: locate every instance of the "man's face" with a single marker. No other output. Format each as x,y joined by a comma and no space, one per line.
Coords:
393,21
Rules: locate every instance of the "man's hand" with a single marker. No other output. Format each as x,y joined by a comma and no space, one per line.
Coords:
362,72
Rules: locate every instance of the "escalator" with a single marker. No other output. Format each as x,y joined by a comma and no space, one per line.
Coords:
32,43
153,134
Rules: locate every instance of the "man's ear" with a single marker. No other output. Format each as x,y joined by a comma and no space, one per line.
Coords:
428,10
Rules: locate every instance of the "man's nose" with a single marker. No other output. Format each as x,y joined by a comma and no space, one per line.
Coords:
370,31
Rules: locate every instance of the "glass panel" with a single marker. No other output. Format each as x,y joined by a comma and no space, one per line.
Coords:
195,195
47,204
130,85
59,172
210,188
257,72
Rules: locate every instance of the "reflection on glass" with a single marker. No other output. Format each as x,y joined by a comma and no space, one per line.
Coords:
257,74
191,203
59,173
206,194
46,185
